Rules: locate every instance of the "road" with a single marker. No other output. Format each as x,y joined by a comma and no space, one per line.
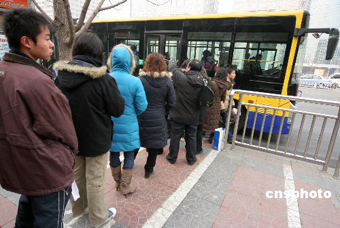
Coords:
309,92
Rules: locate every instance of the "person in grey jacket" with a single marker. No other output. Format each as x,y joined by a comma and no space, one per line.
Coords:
186,112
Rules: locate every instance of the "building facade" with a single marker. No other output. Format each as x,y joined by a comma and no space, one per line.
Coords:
324,14
152,8
269,5
76,6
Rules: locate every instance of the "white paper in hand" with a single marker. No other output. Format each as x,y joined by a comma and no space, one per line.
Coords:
75,192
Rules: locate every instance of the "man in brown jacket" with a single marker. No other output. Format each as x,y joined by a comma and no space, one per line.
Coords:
37,136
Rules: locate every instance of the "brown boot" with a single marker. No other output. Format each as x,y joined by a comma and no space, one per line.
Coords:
117,175
125,186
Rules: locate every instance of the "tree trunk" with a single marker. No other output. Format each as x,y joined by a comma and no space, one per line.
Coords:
62,31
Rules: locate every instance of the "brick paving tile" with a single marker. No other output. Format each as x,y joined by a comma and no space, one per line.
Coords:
8,211
245,203
235,216
134,210
314,222
9,224
320,210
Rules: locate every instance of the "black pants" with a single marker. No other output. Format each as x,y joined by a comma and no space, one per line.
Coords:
151,160
177,130
199,138
224,118
42,211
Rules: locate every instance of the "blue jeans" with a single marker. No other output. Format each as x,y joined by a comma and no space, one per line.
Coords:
230,134
42,211
129,159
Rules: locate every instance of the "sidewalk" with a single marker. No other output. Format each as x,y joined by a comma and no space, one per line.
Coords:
225,189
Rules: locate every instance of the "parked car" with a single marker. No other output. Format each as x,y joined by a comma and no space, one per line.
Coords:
335,79
315,81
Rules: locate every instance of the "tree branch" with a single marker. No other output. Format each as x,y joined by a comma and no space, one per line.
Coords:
42,12
69,19
158,4
95,12
113,6
89,21
82,15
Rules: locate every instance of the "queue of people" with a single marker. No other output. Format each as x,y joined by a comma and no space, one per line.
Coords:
57,132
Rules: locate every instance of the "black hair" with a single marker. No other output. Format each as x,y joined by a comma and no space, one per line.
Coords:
88,44
195,65
185,63
221,74
230,69
23,22
133,47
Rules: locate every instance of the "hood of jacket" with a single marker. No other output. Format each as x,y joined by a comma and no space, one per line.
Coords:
122,59
222,84
195,78
78,71
158,80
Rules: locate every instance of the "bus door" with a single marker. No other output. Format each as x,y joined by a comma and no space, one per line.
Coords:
165,44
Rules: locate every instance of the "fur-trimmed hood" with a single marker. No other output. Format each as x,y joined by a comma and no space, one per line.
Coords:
89,70
156,74
121,59
78,71
157,80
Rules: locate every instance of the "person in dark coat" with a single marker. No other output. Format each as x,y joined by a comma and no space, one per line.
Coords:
94,98
186,112
219,86
202,118
161,98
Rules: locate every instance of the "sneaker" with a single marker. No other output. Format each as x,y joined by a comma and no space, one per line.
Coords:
112,214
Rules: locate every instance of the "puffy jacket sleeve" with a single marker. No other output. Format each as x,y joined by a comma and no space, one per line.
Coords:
114,102
141,103
53,119
170,97
177,74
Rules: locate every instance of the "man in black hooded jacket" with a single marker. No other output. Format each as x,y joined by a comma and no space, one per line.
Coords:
185,114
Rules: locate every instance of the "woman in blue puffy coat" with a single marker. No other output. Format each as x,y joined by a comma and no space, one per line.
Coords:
126,129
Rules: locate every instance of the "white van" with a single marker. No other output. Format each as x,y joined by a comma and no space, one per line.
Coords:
335,78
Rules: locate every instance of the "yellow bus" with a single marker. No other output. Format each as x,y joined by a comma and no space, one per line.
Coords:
266,48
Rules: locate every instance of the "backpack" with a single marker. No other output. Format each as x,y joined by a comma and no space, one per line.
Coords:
206,95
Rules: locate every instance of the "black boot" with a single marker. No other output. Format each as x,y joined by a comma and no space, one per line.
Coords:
211,138
148,173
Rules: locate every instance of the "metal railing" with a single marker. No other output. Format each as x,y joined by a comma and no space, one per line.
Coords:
289,147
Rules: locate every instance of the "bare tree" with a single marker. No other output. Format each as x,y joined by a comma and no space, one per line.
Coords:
65,29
